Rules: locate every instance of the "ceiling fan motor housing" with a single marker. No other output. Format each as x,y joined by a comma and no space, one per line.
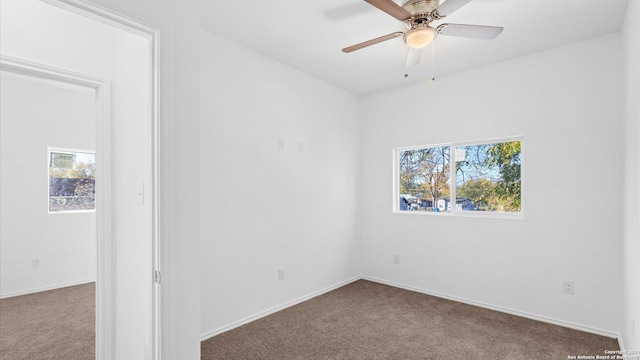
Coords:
420,34
420,8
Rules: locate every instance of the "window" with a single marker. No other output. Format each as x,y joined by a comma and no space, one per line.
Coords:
487,178
424,179
71,180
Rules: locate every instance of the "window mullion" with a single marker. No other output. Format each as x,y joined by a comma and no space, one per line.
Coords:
452,178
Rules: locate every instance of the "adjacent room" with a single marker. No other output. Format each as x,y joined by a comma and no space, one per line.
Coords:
329,191
73,90
48,232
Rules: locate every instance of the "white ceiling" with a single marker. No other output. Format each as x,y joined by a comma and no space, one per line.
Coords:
309,35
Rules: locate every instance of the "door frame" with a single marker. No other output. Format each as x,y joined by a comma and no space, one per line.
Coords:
106,269
104,206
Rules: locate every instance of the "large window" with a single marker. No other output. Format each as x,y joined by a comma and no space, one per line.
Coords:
487,178
71,180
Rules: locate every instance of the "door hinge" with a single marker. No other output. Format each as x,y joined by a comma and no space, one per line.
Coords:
157,277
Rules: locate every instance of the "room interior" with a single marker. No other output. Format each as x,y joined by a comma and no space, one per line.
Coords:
316,127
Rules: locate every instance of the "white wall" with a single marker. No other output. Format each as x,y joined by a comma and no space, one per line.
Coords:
263,208
35,114
27,33
566,102
41,33
631,38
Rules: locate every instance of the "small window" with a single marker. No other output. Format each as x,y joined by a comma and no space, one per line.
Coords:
424,179
487,178
71,180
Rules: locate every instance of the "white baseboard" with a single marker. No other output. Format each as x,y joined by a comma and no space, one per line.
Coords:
622,349
544,319
45,288
275,309
500,309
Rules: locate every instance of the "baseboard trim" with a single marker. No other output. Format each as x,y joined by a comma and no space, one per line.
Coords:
45,288
500,309
275,309
523,314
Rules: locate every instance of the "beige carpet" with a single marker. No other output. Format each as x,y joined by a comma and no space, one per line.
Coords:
366,320
57,324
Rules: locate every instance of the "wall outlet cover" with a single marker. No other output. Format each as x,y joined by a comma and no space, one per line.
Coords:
569,287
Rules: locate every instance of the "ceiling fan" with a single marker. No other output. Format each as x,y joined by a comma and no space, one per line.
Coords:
418,16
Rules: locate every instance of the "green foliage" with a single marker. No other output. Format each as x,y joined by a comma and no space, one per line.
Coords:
476,190
484,195
506,156
80,171
488,175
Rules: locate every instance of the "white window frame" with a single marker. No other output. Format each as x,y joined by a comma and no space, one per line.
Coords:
51,149
452,158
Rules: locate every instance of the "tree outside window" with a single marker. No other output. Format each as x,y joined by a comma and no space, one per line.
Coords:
487,178
71,180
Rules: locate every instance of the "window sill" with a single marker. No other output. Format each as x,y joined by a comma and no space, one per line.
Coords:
466,214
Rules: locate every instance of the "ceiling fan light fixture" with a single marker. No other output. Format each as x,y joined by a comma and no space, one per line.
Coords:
420,37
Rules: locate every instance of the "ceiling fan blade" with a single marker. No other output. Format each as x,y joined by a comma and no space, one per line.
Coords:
449,6
470,31
372,42
391,8
413,56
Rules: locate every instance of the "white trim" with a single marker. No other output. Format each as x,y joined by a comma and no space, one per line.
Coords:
501,309
70,150
105,210
523,314
46,288
275,309
105,310
156,296
622,348
468,214
41,71
150,33
70,212
105,16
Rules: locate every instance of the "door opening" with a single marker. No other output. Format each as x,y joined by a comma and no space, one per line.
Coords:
121,72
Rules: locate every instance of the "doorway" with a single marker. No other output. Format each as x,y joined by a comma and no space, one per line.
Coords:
116,62
48,220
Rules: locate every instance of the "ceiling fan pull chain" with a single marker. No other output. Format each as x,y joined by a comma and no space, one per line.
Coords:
433,60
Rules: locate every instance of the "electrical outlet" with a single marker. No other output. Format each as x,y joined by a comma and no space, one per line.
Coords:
280,144
396,259
35,263
280,274
568,287
300,147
